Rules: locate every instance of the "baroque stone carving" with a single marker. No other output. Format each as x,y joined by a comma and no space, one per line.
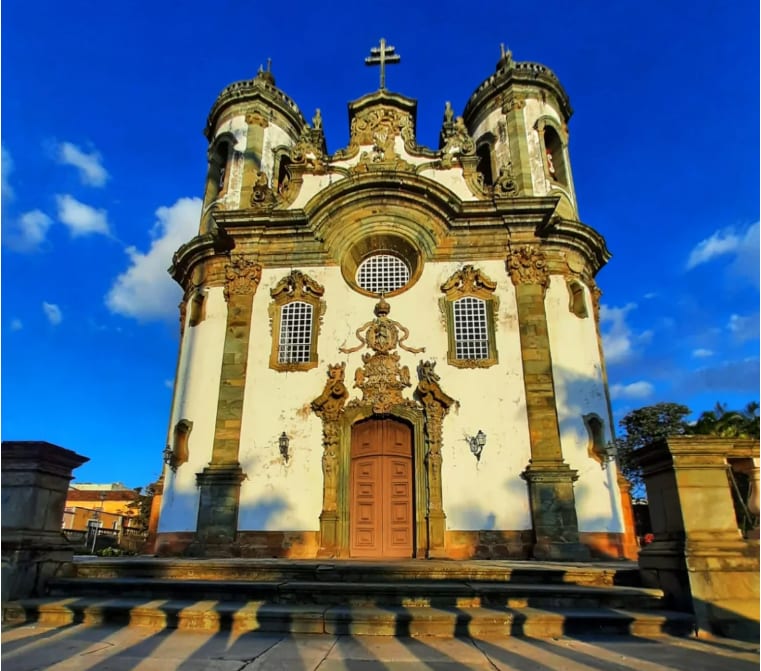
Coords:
262,195
468,281
296,285
505,185
328,406
379,126
436,405
457,143
256,118
381,380
242,276
528,265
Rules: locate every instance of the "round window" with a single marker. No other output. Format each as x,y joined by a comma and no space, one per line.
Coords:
382,274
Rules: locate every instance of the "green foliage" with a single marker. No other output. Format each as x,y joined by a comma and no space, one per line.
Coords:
642,427
113,552
646,425
142,504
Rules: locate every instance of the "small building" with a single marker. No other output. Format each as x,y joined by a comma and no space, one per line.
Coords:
103,506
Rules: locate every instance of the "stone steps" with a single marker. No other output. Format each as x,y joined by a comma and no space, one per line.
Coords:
358,594
247,616
415,598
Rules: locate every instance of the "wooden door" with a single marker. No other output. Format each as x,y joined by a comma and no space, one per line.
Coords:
381,490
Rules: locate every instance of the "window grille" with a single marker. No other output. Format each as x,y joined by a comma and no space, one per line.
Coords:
471,332
295,342
382,274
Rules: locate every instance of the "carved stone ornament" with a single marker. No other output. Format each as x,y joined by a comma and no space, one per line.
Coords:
296,286
528,265
505,185
328,405
309,151
241,277
596,296
256,118
262,195
468,281
379,126
381,380
457,143
382,334
512,102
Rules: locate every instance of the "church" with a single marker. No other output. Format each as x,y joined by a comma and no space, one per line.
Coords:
392,351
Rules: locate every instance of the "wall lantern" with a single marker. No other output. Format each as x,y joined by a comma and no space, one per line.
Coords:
611,452
283,443
477,443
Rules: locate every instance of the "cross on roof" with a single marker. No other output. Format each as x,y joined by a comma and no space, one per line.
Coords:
381,56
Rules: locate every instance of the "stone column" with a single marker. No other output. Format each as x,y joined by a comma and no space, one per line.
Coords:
550,480
153,519
220,481
698,556
35,481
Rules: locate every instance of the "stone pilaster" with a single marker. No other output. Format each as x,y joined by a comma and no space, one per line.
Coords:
436,405
550,480
513,105
219,482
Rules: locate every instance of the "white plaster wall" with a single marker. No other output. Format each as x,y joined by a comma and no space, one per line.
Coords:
312,185
195,399
485,495
274,137
579,390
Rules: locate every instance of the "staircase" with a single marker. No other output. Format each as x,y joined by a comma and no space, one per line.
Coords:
480,599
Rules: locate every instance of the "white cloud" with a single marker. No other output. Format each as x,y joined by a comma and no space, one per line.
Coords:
30,231
618,338
79,218
53,313
635,390
744,327
702,353
7,168
91,170
16,325
145,290
739,376
743,246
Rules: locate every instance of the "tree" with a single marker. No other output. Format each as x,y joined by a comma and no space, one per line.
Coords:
142,504
642,427
729,423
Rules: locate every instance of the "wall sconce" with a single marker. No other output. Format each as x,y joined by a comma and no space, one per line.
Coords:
477,443
283,443
611,452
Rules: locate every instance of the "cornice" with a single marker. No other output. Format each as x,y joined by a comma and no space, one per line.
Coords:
510,73
568,234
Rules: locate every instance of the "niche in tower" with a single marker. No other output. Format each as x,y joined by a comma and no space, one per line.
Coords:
555,156
219,166
283,173
485,153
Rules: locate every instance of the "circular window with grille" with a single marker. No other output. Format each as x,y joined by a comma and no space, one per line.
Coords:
382,274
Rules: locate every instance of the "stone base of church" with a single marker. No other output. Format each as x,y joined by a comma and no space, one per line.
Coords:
459,544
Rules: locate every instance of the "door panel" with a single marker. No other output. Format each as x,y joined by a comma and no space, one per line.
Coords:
381,490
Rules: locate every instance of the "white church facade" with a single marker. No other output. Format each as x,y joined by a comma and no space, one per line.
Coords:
392,351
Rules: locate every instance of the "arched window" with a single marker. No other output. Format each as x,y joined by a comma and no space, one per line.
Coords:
596,448
469,306
554,156
485,153
295,312
283,174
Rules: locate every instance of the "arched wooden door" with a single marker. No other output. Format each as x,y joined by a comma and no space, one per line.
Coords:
381,510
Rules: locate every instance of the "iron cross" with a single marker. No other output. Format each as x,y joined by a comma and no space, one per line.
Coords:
382,56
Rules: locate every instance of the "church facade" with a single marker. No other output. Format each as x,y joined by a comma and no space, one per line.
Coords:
392,351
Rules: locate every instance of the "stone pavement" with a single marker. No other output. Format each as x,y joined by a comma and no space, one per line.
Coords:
81,648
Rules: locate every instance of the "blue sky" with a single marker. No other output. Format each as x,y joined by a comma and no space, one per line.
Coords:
104,160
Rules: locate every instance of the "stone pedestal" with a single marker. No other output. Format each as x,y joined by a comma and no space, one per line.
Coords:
699,557
35,480
218,504
553,511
